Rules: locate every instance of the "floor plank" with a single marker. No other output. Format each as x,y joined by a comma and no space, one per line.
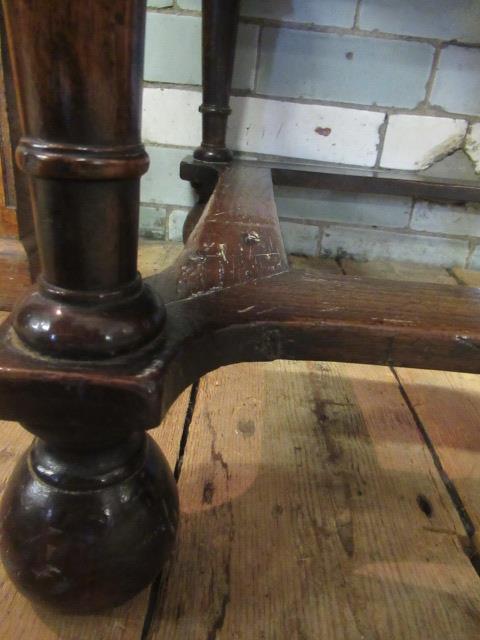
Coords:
448,406
314,264
153,256
311,508
406,271
18,618
467,276
14,273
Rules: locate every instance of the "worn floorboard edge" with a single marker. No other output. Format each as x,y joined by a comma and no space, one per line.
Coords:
177,469
186,427
469,545
458,277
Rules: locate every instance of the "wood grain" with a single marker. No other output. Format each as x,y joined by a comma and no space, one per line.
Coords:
311,508
14,272
154,256
448,407
467,276
404,271
319,265
19,618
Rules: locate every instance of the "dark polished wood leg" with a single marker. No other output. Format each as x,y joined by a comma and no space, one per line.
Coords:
92,508
86,530
220,22
77,67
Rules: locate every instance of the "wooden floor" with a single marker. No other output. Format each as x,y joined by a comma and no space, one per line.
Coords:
319,501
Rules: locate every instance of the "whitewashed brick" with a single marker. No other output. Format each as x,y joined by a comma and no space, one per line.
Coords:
336,206
474,260
173,51
457,83
307,131
338,13
472,145
152,222
312,132
343,68
176,220
373,244
301,239
160,4
162,183
415,142
171,116
442,19
456,166
447,219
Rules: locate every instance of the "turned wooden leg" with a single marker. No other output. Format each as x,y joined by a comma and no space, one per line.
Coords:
91,509
220,21
86,530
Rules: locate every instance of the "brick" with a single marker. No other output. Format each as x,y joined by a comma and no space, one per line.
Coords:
415,142
474,260
457,81
152,222
327,12
326,66
191,5
173,51
171,116
159,4
374,244
456,166
312,132
301,239
443,19
447,219
335,206
176,221
472,145
162,183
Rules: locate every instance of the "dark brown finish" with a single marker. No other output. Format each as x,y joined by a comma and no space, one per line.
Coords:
219,34
88,531
90,513
84,157
92,357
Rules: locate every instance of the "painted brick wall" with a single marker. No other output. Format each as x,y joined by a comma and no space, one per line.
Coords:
373,83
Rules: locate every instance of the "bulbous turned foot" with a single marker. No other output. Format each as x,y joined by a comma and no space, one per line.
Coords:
83,532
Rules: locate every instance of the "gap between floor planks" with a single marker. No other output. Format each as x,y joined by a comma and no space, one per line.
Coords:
213,584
